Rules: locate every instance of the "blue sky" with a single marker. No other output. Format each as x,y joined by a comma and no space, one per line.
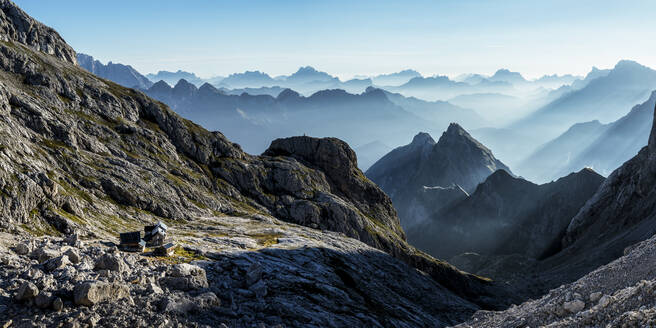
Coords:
349,38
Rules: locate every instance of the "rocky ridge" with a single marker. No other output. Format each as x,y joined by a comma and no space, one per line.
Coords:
18,26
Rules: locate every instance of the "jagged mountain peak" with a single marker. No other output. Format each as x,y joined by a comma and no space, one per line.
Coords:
456,129
184,85
507,75
207,88
288,94
160,86
456,137
422,138
306,69
500,176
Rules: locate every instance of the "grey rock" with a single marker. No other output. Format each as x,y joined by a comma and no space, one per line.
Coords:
185,277
574,306
253,274
44,254
43,300
111,262
73,255
207,300
17,26
26,291
259,288
594,297
604,301
22,249
57,304
57,263
90,293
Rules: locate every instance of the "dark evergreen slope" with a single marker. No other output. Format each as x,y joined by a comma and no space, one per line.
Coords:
507,215
456,159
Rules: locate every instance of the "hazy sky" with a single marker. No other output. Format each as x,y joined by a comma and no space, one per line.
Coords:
352,37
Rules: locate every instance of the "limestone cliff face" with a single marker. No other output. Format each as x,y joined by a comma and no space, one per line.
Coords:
16,25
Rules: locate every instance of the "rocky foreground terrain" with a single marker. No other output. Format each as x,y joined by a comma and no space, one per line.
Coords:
232,271
619,294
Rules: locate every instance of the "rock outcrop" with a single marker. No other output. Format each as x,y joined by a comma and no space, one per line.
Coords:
456,159
17,26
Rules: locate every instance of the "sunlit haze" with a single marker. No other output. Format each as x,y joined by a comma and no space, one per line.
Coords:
349,38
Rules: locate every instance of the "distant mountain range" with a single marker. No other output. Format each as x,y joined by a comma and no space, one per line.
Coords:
371,152
253,121
456,159
395,79
603,95
603,147
604,98
124,75
173,77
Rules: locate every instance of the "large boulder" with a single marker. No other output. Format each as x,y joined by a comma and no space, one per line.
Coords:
90,293
27,291
111,262
185,277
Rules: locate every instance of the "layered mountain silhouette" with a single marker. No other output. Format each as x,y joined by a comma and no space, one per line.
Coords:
248,79
603,147
442,88
370,153
252,120
456,159
395,79
507,215
604,98
173,77
438,112
621,213
124,75
603,95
